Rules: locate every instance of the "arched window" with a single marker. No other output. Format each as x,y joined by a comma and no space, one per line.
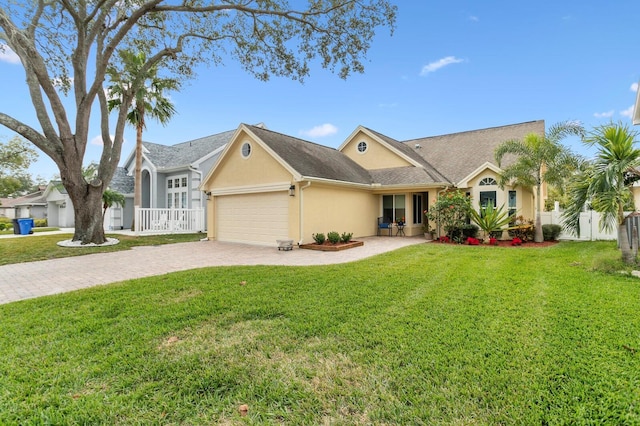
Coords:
488,182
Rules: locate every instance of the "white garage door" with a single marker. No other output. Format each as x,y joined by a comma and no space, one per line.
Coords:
253,218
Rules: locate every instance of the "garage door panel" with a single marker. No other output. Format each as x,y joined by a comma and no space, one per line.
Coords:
253,218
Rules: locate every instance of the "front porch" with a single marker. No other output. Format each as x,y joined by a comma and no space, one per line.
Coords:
168,221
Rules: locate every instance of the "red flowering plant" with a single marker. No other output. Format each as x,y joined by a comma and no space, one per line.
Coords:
449,213
444,239
473,241
516,242
493,241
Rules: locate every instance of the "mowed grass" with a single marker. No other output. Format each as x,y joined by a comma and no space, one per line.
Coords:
429,334
35,230
42,247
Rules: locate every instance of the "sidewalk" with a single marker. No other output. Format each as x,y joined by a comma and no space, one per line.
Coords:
34,279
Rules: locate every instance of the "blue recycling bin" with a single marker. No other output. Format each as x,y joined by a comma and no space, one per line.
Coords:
26,226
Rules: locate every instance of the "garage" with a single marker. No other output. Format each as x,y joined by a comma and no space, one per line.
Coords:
260,218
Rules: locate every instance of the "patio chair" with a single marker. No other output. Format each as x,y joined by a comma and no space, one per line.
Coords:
382,225
161,224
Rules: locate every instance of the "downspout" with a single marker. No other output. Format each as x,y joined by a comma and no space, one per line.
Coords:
199,173
202,206
301,209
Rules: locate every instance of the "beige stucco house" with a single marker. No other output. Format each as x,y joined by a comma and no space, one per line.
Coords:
267,186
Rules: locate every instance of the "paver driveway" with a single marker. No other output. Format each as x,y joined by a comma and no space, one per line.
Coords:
27,280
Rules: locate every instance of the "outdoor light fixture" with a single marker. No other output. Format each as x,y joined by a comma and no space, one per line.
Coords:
208,194
292,191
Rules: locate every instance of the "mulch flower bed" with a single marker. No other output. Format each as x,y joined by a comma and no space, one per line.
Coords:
501,243
327,246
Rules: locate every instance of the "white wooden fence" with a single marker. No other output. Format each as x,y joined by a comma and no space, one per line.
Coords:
168,221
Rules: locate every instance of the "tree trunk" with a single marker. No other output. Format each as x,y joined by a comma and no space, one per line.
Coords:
623,241
137,174
538,237
87,210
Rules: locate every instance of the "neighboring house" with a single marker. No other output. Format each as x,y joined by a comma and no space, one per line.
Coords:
171,175
266,185
116,216
30,205
6,208
59,205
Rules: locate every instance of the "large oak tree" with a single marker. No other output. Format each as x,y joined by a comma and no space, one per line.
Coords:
66,46
15,157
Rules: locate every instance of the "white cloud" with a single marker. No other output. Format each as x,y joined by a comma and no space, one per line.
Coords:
440,63
634,87
607,114
474,18
8,55
320,131
627,112
98,140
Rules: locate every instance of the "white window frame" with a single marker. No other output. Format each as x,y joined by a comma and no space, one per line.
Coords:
177,194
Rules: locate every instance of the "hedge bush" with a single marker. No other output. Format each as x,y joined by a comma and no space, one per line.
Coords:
333,237
551,232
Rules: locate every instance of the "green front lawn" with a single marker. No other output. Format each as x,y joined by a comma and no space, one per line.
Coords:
430,334
42,229
43,247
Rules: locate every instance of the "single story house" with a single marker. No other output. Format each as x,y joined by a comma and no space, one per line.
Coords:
30,205
266,186
59,205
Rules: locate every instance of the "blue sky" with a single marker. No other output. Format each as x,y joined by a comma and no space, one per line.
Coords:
450,66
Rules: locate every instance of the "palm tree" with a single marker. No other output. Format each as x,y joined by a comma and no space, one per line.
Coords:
130,89
606,182
109,198
540,159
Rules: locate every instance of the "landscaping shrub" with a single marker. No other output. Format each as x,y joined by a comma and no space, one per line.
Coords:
40,223
470,230
473,241
5,223
333,237
450,213
491,219
551,232
319,238
346,237
522,228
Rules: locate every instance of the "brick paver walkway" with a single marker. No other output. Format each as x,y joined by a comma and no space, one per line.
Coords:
28,280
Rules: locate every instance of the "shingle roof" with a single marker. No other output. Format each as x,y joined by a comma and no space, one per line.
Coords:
185,153
35,198
434,176
403,176
121,182
313,160
458,154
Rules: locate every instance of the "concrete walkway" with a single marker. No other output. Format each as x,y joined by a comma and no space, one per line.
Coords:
28,280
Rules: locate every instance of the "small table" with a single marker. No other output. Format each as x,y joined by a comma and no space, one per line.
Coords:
400,230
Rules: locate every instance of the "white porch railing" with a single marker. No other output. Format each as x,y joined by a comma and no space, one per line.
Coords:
168,221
